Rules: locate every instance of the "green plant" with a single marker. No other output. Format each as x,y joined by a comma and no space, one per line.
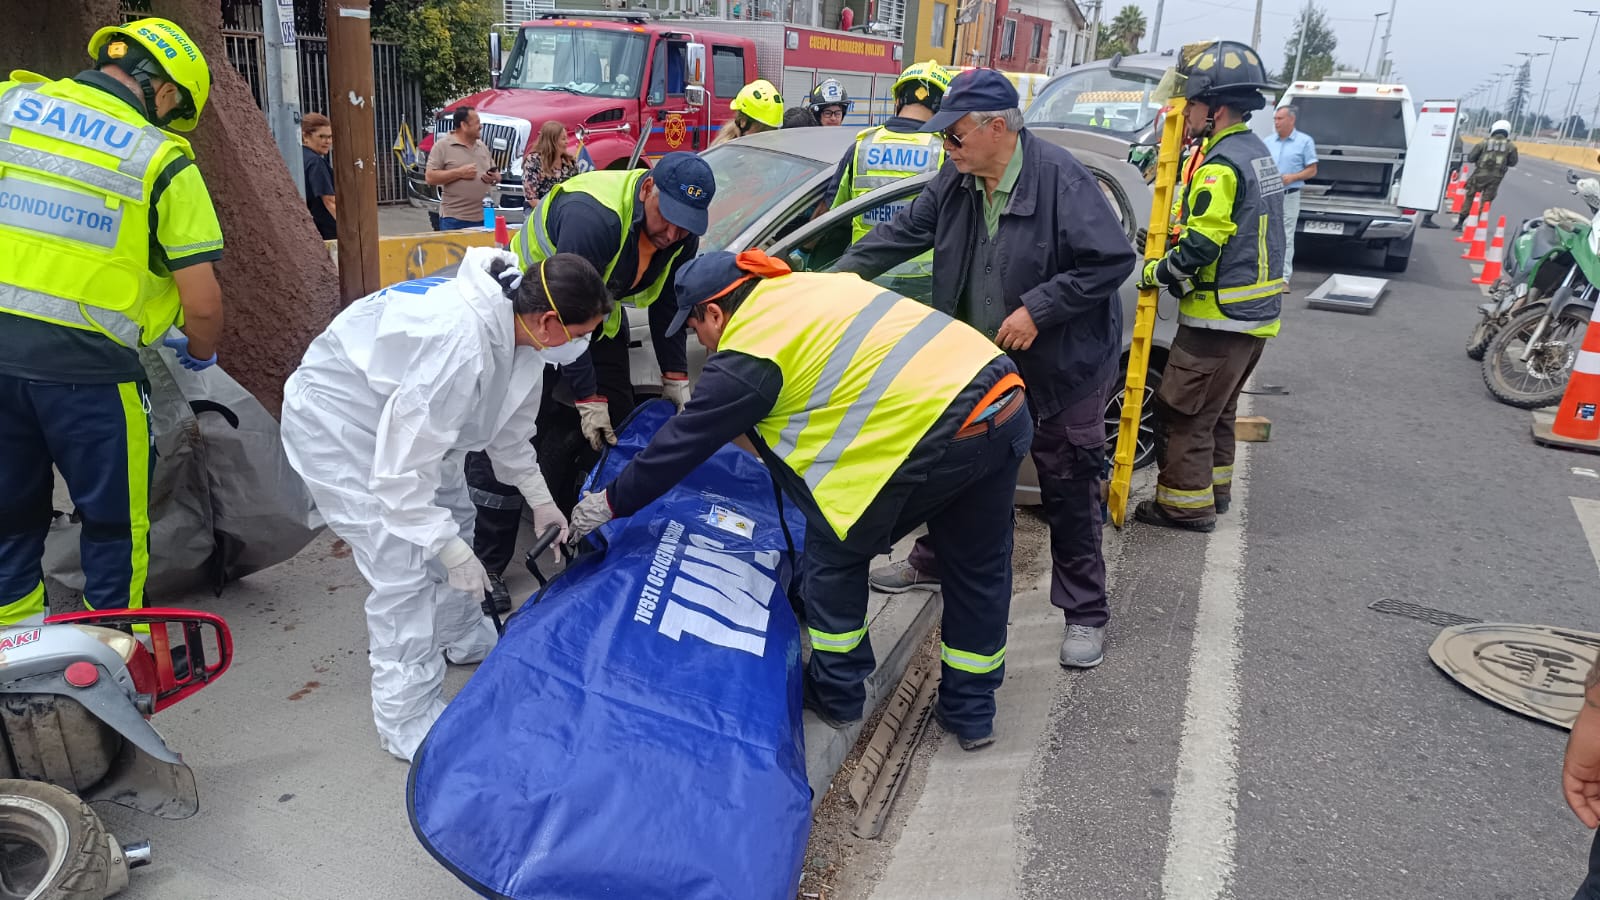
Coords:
444,44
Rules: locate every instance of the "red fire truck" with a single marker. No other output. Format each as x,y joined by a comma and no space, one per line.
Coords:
611,77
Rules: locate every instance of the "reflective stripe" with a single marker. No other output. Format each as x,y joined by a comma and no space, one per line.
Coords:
129,187
1250,292
18,612
67,312
976,663
841,642
136,420
491,500
1177,499
917,338
1238,325
183,249
1221,474
90,128
833,370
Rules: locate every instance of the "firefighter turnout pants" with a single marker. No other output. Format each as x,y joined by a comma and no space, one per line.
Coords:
966,502
1196,407
98,436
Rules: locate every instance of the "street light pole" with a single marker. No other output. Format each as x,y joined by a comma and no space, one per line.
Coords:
1376,18
1155,28
1522,111
1544,98
1300,48
1383,52
1593,30
1255,30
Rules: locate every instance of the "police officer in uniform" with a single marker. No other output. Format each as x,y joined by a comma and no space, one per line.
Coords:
875,414
1490,161
636,228
109,238
1227,270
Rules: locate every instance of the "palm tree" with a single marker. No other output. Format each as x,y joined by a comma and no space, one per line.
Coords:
1130,26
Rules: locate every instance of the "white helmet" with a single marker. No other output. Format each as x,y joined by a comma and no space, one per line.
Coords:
1499,126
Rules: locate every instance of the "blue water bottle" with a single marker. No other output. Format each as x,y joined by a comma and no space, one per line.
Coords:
488,213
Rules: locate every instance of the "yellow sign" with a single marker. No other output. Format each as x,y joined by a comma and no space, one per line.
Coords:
676,131
845,45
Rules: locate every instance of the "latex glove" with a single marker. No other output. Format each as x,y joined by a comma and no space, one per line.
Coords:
180,346
594,417
676,390
546,515
466,573
591,512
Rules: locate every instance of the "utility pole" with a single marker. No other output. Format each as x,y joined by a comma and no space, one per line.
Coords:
1255,30
1376,18
1595,28
1383,51
355,164
1544,97
1300,46
1155,28
1094,31
283,84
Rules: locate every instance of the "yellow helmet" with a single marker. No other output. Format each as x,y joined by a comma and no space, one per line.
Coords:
924,83
157,47
760,101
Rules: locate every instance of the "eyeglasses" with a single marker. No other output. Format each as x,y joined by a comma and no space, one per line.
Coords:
956,140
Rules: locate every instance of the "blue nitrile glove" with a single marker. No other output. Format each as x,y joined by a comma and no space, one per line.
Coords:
180,346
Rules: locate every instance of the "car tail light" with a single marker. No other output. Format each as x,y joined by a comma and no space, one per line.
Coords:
1348,89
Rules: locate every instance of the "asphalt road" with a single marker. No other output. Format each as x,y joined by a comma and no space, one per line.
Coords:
1256,731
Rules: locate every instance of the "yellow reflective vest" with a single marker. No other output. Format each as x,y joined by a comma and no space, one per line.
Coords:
883,157
78,171
866,374
617,191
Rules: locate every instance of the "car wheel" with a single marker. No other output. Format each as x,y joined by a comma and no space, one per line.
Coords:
1145,453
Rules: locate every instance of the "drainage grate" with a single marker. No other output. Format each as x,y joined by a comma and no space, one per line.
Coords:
1423,613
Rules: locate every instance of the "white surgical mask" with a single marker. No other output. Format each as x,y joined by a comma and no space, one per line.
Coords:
567,353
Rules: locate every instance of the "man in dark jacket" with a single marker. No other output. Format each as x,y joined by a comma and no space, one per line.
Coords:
1032,257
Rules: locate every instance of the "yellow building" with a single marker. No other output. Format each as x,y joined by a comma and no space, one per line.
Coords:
930,30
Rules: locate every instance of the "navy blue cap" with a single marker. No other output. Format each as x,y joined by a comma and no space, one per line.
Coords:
713,274
975,90
686,187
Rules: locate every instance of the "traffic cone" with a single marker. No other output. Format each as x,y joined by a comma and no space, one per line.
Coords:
1458,194
1576,419
1475,252
1471,233
1497,255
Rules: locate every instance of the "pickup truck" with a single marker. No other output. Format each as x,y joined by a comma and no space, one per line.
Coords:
1361,130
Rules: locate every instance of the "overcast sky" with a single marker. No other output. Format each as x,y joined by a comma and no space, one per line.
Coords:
1441,48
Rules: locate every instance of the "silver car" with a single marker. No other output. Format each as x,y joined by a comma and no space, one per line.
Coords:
769,185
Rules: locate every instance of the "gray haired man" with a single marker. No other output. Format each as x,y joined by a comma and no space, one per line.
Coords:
1296,156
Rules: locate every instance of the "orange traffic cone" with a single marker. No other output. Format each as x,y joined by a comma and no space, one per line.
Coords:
1497,255
1458,193
1479,234
1577,419
1472,222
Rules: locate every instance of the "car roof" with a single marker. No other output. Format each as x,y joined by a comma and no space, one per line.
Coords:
1153,63
823,143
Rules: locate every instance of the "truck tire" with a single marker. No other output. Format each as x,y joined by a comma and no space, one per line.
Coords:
52,845
1392,263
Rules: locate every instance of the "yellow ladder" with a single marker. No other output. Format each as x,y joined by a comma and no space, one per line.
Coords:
1144,320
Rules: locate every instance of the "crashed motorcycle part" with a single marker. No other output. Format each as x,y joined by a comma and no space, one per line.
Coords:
1535,670
53,845
887,758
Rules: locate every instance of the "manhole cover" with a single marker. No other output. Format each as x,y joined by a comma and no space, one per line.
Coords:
1535,670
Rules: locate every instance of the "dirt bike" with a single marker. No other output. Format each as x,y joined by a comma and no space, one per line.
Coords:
1526,281
76,696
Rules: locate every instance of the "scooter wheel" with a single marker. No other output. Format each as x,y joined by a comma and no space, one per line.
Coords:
52,845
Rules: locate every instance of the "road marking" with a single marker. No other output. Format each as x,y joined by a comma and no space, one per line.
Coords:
1200,839
1547,181
1589,517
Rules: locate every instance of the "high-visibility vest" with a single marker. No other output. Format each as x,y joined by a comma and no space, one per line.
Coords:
617,191
1243,290
883,157
866,374
78,170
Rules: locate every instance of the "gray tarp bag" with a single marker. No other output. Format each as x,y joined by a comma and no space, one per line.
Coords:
223,500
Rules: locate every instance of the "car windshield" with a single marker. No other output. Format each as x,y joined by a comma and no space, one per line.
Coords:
750,182
1352,121
1119,101
589,61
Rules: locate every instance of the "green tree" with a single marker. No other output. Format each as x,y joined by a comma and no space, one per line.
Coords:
1109,44
1130,26
443,43
1518,104
1320,42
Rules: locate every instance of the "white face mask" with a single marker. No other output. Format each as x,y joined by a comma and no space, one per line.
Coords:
567,353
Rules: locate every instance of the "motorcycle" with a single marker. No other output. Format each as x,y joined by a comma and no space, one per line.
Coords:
76,696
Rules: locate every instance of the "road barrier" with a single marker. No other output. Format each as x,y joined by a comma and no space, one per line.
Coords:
1583,157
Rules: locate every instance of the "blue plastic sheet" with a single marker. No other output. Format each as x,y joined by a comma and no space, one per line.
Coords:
636,734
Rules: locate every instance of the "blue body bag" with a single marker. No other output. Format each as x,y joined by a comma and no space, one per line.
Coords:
636,734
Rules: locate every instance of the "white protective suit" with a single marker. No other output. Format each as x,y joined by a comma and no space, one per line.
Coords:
378,420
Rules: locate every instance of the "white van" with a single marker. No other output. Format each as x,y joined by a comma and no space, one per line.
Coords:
1361,130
